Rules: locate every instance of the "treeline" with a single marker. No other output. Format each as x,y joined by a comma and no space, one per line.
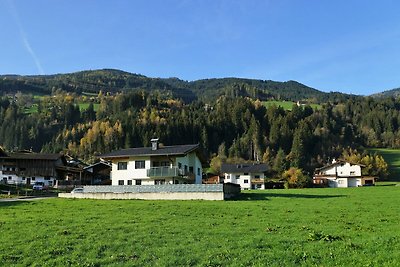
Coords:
228,128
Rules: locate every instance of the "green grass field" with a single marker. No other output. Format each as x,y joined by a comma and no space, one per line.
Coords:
31,109
308,227
287,105
392,157
85,106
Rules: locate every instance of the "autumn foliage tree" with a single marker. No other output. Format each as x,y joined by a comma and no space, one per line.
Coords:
295,178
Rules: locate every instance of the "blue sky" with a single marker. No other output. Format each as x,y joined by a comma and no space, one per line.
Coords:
348,46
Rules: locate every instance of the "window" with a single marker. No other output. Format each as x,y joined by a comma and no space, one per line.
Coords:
237,177
120,182
198,171
9,178
47,178
164,163
129,182
176,181
246,181
258,186
246,173
179,165
191,169
23,178
138,182
122,165
33,178
139,164
352,173
257,176
162,181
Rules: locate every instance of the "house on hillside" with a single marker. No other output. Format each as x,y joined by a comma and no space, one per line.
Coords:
27,168
154,165
342,174
248,176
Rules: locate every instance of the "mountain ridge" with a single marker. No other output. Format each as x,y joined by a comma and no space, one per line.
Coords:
114,80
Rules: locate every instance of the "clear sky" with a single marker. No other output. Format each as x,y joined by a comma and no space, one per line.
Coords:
332,45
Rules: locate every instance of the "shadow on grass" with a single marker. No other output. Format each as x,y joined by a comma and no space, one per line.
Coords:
388,184
10,202
269,195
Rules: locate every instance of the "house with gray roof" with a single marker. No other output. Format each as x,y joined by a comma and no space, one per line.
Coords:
154,165
247,175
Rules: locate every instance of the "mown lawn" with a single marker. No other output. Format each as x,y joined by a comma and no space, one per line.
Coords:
310,227
392,157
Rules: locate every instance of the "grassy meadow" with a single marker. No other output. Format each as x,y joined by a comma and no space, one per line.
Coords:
287,105
307,227
392,157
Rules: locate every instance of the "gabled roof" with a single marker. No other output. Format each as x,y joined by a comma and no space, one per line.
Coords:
244,167
147,151
339,162
32,156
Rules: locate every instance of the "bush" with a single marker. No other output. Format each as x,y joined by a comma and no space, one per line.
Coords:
295,178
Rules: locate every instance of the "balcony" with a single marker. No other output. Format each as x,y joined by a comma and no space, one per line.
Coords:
165,172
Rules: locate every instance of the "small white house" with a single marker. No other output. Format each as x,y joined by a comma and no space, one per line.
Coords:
155,165
248,176
342,174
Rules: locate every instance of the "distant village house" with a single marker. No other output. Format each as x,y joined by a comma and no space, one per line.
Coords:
27,168
248,176
342,174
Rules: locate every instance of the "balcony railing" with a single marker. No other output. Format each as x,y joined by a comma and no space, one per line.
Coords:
165,172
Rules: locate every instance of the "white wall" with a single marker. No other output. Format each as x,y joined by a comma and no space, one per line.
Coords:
22,180
344,170
344,182
231,178
190,160
348,170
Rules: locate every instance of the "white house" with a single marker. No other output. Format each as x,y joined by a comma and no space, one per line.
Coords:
248,176
342,174
155,165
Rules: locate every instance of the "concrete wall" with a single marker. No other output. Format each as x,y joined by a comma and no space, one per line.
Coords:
159,192
149,196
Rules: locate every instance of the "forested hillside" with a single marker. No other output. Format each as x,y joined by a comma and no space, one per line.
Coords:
114,81
229,127
389,93
89,113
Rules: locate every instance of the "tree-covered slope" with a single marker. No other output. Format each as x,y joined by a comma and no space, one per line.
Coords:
109,80
389,93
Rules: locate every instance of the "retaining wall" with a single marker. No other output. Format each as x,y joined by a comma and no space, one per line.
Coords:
158,192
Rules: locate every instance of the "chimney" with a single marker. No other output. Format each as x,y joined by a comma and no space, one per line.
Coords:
154,143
